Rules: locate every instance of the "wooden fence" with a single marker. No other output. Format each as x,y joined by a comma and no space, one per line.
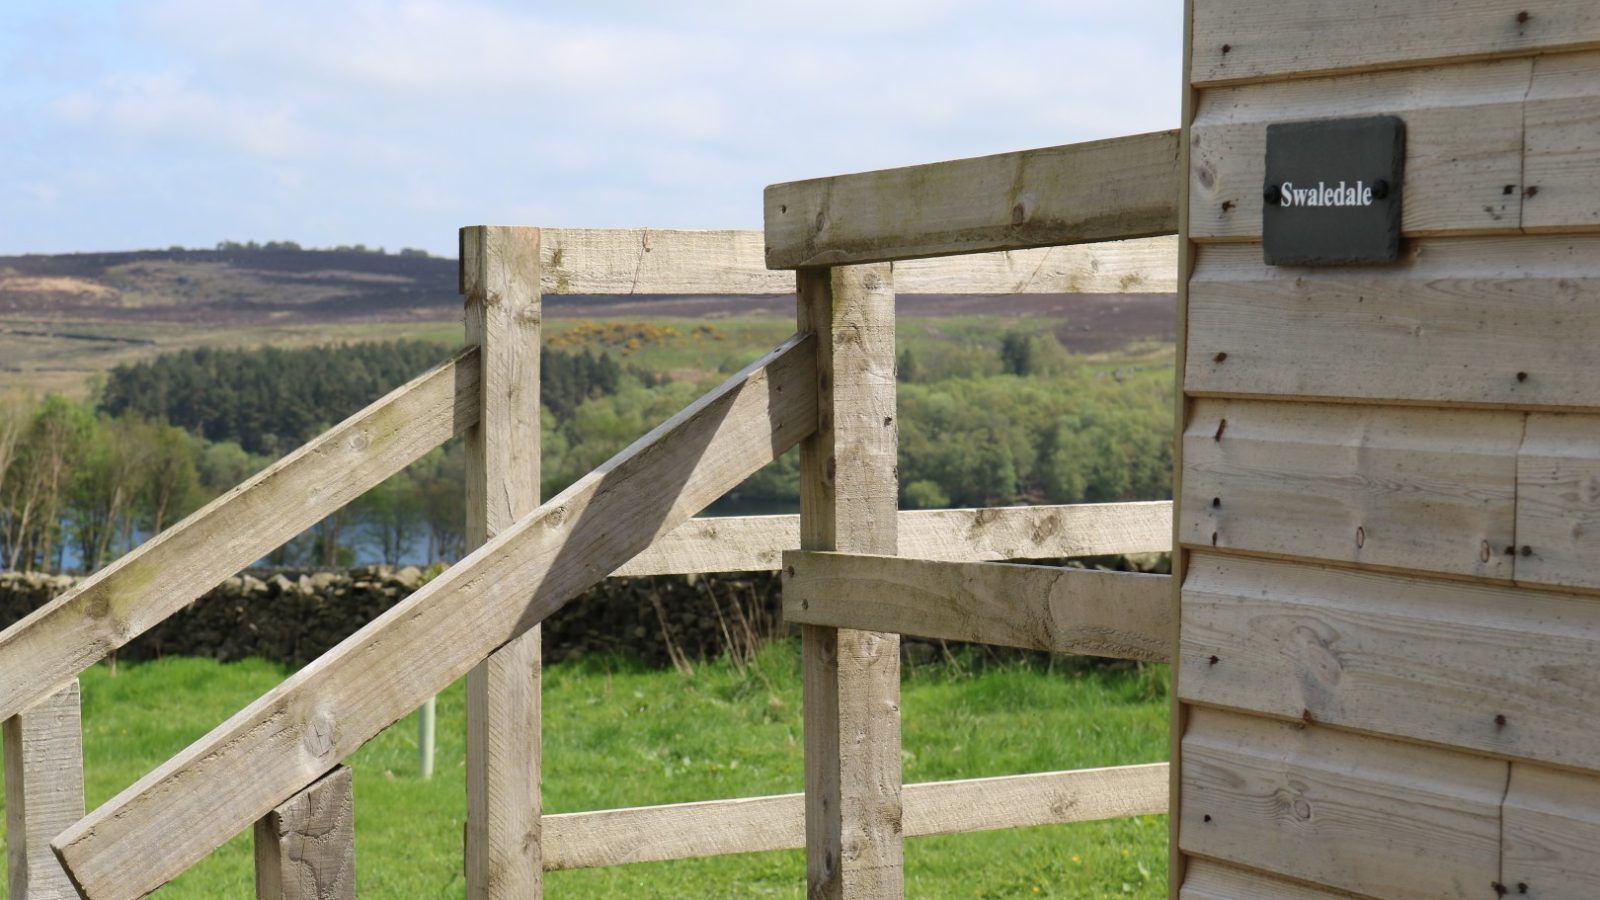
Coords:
1015,220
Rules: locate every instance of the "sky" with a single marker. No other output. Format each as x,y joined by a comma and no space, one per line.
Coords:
391,123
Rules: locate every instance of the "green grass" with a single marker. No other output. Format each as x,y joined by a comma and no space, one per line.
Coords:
617,735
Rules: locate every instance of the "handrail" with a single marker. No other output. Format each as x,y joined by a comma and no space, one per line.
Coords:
1110,190
289,737
48,648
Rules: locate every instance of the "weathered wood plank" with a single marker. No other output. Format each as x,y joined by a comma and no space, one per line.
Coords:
44,792
326,711
1563,144
577,261
848,501
1496,670
1138,266
1075,194
1552,827
500,279
756,543
1122,615
1463,169
306,848
1421,489
48,648
1388,820
1263,40
1208,880
1558,501
754,824
1475,321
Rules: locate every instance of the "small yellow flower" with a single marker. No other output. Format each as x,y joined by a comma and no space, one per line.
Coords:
1076,858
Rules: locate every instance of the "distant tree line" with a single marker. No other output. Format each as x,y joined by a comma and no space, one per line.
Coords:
295,246
1024,422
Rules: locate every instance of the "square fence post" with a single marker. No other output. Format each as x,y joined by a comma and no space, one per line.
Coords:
44,792
500,272
849,501
306,848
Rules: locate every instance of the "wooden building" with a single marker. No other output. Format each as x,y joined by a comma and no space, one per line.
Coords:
1389,659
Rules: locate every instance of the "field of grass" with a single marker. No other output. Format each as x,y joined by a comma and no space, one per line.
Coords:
618,735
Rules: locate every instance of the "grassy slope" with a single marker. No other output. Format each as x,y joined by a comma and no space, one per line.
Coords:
619,736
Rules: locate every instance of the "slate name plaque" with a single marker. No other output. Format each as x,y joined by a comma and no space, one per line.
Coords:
1333,192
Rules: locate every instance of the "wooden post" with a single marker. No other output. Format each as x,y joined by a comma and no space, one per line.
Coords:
500,277
306,848
848,501
44,792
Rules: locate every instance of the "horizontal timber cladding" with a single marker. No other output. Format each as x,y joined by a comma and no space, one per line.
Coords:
1463,169
1498,670
1423,489
621,261
1490,321
1376,817
1562,168
1266,40
1552,830
1108,190
1558,502
1208,880
1123,615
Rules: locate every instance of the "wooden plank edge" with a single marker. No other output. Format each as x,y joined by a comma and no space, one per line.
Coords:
703,544
796,211
723,827
648,261
1003,604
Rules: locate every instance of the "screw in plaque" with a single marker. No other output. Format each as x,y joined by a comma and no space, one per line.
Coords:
1272,193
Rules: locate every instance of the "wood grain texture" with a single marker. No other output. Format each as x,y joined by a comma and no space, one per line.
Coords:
1383,819
320,715
1419,489
1562,155
756,543
1463,166
579,261
1208,880
500,269
1477,321
1121,615
849,498
49,647
1177,717
753,824
1267,40
1552,827
1497,670
1558,501
1075,194
44,792
306,848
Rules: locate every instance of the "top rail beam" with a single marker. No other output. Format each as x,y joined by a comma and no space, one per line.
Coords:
53,644
286,739
617,261
1109,190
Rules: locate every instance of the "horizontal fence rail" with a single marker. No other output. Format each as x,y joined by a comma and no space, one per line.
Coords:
753,824
52,645
1109,190
282,742
584,261
757,543
1122,615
